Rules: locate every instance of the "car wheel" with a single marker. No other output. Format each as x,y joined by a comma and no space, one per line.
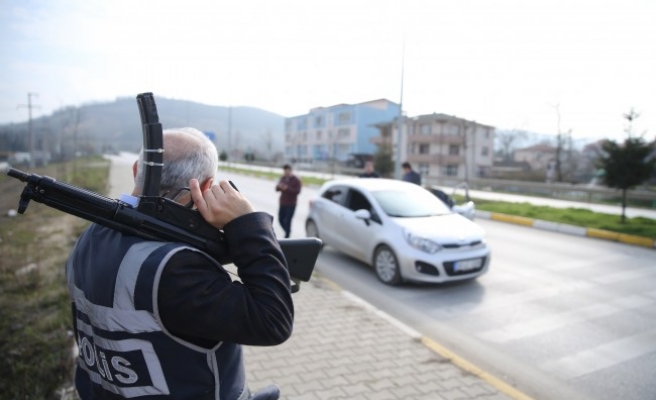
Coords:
387,266
311,229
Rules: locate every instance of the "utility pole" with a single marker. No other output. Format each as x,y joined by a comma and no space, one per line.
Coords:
399,129
30,133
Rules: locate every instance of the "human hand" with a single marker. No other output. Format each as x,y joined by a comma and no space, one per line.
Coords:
219,204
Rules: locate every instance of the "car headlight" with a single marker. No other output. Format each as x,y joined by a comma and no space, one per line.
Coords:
422,243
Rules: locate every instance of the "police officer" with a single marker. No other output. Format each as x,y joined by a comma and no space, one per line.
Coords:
158,319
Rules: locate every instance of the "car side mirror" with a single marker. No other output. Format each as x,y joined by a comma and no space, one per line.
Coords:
364,215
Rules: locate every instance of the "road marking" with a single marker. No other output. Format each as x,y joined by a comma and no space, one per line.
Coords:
470,308
602,357
623,276
546,324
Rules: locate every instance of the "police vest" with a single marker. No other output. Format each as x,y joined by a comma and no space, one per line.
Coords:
124,349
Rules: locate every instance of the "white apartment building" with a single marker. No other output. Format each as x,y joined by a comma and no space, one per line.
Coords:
440,145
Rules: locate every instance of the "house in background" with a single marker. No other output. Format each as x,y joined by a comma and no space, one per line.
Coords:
440,145
335,133
538,156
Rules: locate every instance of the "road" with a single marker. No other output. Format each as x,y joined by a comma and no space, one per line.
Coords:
558,316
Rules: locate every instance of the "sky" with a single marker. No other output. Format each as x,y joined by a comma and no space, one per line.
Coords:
542,66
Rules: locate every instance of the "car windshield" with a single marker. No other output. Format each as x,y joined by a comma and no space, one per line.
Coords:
410,204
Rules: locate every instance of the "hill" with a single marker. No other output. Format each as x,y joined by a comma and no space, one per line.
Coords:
116,126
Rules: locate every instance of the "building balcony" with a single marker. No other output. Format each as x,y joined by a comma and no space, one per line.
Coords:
436,139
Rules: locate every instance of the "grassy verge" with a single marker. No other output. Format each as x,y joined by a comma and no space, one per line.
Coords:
572,216
639,226
35,314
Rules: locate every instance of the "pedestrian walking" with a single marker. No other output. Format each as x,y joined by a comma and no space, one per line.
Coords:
289,187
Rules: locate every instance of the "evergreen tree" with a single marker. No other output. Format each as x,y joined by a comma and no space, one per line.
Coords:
383,163
628,164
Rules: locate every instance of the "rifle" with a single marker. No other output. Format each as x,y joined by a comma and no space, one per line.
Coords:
155,217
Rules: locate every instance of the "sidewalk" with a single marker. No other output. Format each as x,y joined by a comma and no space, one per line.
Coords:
343,348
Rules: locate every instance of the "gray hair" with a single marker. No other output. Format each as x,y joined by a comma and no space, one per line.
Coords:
188,153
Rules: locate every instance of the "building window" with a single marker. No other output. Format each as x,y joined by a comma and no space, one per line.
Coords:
425,129
451,170
318,121
318,135
343,133
344,118
423,169
484,151
424,148
454,149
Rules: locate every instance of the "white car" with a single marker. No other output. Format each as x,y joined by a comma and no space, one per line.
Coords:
401,229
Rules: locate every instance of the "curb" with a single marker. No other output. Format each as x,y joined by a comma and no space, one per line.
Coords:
569,229
432,345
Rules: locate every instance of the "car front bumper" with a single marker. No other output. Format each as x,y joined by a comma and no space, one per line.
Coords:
441,266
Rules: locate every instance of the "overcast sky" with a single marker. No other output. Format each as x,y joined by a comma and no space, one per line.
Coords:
510,64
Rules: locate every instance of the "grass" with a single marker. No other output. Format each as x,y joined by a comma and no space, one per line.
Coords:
572,216
35,313
639,226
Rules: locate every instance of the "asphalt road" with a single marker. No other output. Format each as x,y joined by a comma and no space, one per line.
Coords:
558,316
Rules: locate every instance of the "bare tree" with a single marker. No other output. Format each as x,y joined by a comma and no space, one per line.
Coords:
562,139
507,141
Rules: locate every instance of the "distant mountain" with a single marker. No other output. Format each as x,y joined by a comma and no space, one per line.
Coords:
116,126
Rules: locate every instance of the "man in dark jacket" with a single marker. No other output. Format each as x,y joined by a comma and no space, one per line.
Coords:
163,320
289,187
409,175
369,171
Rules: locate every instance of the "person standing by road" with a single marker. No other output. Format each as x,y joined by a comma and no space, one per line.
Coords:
165,320
289,187
410,175
369,171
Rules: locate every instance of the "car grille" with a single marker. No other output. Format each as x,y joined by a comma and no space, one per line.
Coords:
459,245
